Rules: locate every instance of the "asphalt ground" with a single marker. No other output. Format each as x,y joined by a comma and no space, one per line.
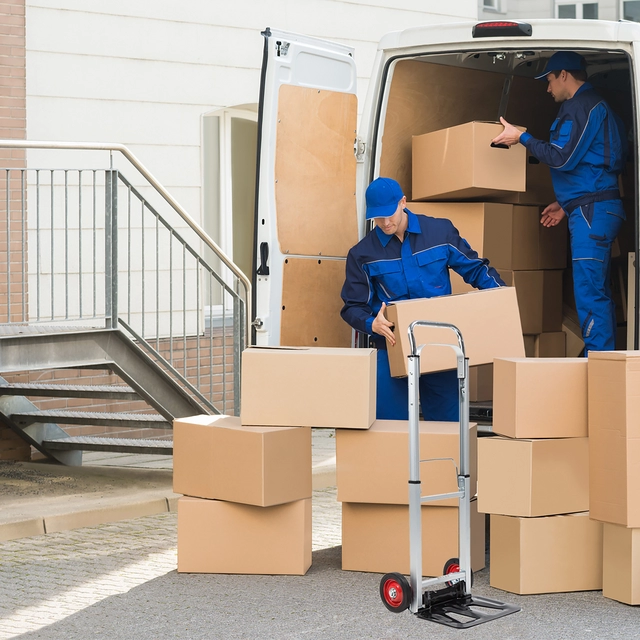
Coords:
118,580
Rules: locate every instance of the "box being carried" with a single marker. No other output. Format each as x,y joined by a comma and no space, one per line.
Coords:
459,162
489,321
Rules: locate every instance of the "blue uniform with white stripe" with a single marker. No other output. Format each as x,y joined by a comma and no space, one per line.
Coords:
380,269
585,154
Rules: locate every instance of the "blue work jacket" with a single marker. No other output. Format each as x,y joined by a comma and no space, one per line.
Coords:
380,269
586,150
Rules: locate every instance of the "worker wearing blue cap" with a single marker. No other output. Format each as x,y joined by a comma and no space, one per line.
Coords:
406,256
586,153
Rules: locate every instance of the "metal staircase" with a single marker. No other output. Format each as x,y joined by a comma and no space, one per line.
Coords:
105,279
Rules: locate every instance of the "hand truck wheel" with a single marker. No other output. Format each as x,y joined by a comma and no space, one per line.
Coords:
453,566
395,592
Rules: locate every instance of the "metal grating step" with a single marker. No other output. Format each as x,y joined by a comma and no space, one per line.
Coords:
136,420
121,445
481,411
105,391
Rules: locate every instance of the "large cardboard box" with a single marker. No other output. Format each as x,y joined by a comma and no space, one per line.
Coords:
546,555
375,537
509,236
539,186
614,436
481,383
546,345
621,563
489,321
226,537
533,477
459,162
539,299
215,457
308,387
373,466
540,397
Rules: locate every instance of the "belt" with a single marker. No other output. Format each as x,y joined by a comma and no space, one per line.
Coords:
589,198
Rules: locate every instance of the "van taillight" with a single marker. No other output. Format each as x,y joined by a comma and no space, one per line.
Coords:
496,28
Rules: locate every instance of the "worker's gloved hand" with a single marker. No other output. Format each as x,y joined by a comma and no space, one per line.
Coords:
382,326
552,215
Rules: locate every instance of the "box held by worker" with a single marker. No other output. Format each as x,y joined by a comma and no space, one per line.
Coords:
540,397
621,563
227,537
364,460
375,537
554,554
518,477
308,387
539,186
461,163
216,457
489,321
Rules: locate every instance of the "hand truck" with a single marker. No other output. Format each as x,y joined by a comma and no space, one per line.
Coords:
452,605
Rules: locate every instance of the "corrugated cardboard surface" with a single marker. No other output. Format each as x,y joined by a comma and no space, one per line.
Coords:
540,397
539,299
539,186
481,383
533,477
375,537
373,466
621,563
546,555
225,537
215,457
308,387
614,437
459,162
489,321
550,345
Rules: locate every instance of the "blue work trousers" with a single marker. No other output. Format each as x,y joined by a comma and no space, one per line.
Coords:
592,229
438,394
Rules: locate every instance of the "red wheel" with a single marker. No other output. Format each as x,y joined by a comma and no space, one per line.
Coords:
453,566
395,592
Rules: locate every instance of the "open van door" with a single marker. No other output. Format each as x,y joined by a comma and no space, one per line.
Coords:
305,191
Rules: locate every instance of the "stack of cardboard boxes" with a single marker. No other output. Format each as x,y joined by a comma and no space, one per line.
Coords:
247,481
534,479
614,436
458,164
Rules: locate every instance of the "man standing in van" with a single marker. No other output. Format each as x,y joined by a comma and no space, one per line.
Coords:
406,256
585,154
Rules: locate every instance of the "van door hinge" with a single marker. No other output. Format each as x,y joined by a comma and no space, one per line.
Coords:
359,147
282,48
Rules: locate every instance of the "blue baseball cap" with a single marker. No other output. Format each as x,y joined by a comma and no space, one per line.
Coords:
564,60
383,196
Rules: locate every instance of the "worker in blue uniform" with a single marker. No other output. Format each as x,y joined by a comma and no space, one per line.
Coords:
586,153
406,256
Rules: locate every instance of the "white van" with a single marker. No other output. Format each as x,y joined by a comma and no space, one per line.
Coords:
314,166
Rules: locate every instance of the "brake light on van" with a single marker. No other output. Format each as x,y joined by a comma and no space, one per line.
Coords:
499,28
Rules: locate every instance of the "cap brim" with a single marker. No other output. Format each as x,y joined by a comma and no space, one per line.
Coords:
381,212
542,76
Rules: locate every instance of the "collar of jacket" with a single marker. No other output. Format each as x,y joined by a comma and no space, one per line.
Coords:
413,226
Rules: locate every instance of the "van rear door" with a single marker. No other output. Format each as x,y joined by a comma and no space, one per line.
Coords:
305,200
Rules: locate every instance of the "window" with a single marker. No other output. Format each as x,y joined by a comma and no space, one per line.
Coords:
631,10
579,10
491,5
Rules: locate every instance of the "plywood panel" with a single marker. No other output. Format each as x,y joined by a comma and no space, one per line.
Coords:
315,172
311,304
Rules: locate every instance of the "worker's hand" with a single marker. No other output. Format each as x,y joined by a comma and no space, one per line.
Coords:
552,215
382,326
509,136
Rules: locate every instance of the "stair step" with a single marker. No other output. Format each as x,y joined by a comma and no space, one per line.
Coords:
121,445
106,392
135,420
481,411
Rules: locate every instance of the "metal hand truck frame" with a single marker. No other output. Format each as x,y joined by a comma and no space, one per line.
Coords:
452,605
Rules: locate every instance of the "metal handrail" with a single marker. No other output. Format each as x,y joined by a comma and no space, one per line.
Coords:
201,233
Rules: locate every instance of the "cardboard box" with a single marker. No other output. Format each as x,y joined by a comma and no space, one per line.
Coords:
308,387
533,477
509,236
489,321
539,186
621,563
555,554
375,537
573,338
614,437
540,397
215,457
481,383
460,163
373,466
550,345
226,537
539,299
